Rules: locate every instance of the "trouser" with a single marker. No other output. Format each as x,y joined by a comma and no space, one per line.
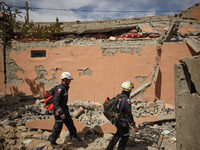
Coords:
122,134
59,124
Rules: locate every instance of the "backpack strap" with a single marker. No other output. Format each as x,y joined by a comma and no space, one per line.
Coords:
121,103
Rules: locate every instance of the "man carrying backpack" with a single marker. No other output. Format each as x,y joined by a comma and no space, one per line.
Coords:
125,118
61,110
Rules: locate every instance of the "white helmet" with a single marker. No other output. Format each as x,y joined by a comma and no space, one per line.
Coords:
127,86
66,75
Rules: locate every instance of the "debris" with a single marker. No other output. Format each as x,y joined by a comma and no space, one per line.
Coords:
112,38
27,141
81,111
165,132
143,87
173,139
5,122
48,125
194,43
148,134
168,116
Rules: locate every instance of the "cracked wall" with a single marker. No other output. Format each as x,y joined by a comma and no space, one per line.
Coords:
100,62
187,100
96,74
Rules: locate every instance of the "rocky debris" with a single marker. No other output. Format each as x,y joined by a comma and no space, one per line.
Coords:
14,134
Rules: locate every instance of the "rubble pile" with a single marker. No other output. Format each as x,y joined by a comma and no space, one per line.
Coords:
161,109
15,135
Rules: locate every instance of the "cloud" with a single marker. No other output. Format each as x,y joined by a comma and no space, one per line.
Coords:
98,9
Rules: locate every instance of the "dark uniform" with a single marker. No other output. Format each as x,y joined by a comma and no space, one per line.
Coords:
122,124
60,105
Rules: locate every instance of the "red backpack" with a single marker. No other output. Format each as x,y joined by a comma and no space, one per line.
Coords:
49,98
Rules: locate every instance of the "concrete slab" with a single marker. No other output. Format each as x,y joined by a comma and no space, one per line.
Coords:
48,125
163,117
187,98
193,43
110,128
107,128
192,69
153,118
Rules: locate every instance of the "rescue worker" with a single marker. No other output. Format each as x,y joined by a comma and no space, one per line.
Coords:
61,110
124,120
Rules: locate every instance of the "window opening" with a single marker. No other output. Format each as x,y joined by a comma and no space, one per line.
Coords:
40,53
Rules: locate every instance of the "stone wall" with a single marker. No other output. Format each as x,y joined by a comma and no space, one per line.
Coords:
187,100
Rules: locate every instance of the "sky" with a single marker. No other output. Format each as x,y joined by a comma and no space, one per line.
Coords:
91,10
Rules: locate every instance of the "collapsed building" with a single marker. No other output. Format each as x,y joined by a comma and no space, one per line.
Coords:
100,55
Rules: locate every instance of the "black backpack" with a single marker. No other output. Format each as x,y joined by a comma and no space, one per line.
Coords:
111,108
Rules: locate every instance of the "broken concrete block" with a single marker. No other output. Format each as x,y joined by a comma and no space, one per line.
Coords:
48,125
169,106
27,141
173,139
45,135
26,135
187,100
193,43
102,117
191,68
15,116
108,136
151,104
160,105
138,106
153,118
36,136
149,110
107,128
169,116
81,111
5,122
64,133
37,144
39,131
112,38
165,132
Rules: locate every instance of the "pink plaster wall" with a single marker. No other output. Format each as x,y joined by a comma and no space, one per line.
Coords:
147,29
195,13
187,29
108,72
170,55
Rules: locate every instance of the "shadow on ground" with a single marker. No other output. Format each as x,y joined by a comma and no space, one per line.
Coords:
87,138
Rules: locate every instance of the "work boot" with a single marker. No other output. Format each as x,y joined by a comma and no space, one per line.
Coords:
76,138
54,144
79,138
